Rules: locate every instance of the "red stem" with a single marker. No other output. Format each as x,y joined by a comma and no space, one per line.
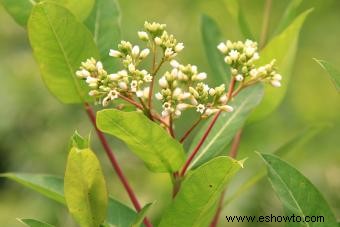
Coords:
187,133
115,163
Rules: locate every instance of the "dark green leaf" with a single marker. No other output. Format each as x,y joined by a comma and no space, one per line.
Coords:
212,36
34,223
20,10
297,194
146,139
60,43
104,23
196,202
141,215
282,48
332,71
226,125
289,15
85,188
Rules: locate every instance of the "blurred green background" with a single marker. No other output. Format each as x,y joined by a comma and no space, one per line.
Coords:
35,127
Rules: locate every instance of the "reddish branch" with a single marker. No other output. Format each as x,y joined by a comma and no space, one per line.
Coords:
115,163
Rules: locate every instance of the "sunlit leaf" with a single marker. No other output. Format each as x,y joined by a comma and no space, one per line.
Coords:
85,188
289,15
332,71
226,126
52,187
212,36
282,48
78,141
197,199
149,141
141,215
34,223
60,43
297,194
104,23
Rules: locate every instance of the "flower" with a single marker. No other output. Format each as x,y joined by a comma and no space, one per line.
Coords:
200,108
234,54
223,48
144,53
115,53
179,47
159,96
239,77
226,108
143,36
163,82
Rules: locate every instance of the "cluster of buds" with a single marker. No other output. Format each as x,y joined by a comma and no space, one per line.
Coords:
183,88
156,34
241,57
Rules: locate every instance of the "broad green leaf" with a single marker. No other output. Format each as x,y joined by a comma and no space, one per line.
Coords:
34,223
332,71
85,188
78,141
197,199
52,187
146,139
104,23
282,48
235,10
212,36
60,43
47,185
141,215
289,149
20,10
297,194
226,126
289,15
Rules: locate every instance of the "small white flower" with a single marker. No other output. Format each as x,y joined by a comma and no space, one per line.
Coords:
93,93
194,69
147,78
158,41
202,76
174,63
223,99
206,88
228,60
114,76
209,111
114,94
253,73
169,53
250,51
182,106
200,108
106,101
261,70
212,91
139,93
177,92
239,77
159,96
178,113
167,106
144,53
165,113
275,83
133,85
123,73
234,54
91,80
229,44
146,92
184,95
83,73
99,66
179,47
115,53
256,56
163,82
277,77
193,100
174,73
135,51
132,67
227,108
143,36
123,85
223,48
249,43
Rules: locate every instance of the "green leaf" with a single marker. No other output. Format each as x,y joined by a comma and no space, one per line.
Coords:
237,14
282,48
226,125
196,202
85,188
20,10
47,185
79,142
34,223
146,139
104,23
289,15
141,215
332,71
297,194
212,36
52,187
60,43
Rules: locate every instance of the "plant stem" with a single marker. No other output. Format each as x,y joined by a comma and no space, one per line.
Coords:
265,22
115,163
206,133
171,126
133,102
187,133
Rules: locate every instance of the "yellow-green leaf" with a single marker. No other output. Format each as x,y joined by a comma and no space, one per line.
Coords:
33,223
332,71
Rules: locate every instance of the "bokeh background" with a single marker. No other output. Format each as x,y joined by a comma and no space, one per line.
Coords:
35,127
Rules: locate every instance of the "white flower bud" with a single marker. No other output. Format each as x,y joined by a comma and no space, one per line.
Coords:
147,78
250,51
179,47
159,96
123,73
201,76
223,48
163,82
115,53
277,77
132,67
223,99
178,113
234,54
139,93
143,36
135,51
83,73
226,108
146,92
114,76
93,93
239,77
91,80
174,63
209,111
256,56
123,85
165,113
228,60
158,41
177,92
275,83
99,66
182,106
144,53
193,101
169,53
212,91
253,73
184,95
229,44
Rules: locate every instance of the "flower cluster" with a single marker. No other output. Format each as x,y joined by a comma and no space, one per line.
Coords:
183,88
241,57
